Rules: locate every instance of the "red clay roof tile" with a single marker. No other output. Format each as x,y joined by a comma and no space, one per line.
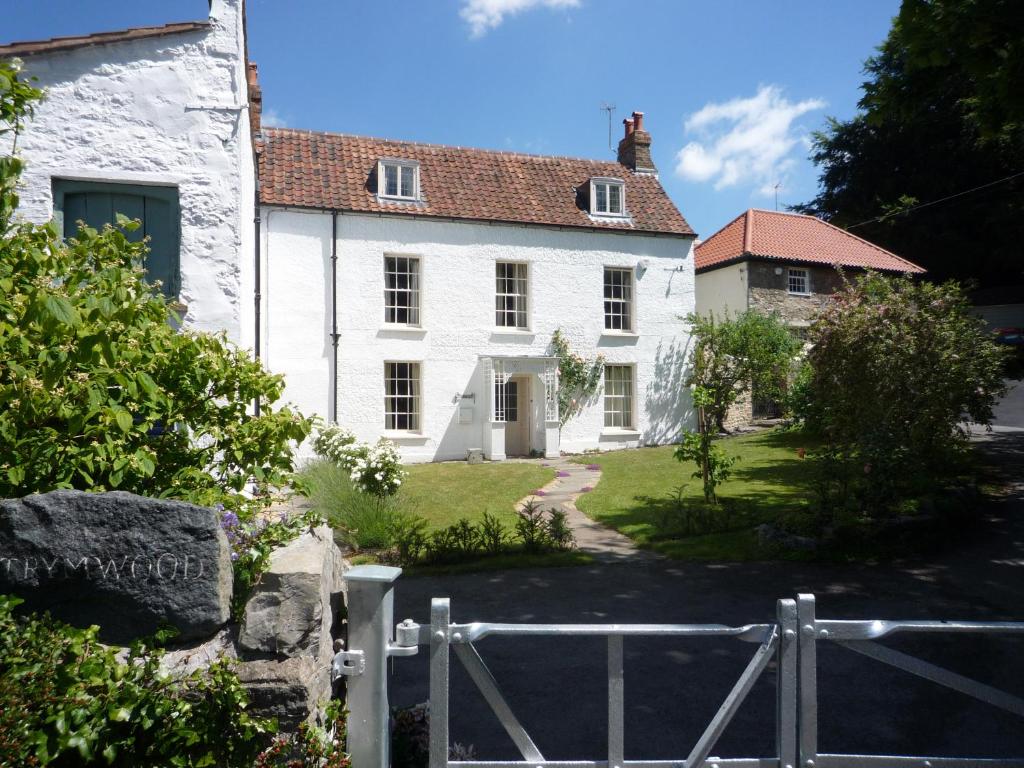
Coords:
31,47
333,171
797,238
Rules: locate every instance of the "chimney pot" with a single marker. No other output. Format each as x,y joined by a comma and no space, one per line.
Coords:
635,147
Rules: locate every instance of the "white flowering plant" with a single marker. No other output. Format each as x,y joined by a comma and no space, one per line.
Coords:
338,444
379,470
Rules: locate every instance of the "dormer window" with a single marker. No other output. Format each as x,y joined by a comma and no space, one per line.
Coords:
607,197
399,179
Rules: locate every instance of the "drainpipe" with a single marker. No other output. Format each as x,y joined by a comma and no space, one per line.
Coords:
257,296
334,316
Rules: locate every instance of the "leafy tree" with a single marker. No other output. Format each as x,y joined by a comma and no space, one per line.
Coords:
897,368
729,358
942,113
97,390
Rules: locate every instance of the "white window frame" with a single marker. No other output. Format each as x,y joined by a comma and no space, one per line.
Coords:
608,183
628,317
806,278
414,376
386,162
415,289
502,311
626,419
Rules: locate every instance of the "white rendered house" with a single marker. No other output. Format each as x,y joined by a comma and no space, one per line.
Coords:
154,123
411,291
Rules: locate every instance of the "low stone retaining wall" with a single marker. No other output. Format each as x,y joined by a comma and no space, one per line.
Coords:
132,565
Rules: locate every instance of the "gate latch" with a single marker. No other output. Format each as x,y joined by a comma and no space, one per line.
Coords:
347,664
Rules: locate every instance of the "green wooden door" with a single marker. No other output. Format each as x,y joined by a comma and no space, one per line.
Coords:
97,203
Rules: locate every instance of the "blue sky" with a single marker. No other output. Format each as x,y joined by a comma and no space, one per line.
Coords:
731,89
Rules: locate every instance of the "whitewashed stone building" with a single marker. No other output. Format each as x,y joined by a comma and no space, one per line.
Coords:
404,290
412,291
153,122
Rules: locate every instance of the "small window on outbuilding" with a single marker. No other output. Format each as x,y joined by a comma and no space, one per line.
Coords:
399,179
607,197
798,281
98,203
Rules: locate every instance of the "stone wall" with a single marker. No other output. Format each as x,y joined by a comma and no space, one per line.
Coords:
769,291
133,565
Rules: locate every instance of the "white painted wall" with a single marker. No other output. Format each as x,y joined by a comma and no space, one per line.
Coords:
723,291
457,264
165,110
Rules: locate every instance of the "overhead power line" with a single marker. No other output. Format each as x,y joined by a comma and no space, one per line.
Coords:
935,202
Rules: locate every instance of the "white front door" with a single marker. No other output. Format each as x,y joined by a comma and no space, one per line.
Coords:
517,416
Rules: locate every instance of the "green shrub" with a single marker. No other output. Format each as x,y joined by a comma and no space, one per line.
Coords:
98,391
408,539
898,368
65,699
531,528
494,536
558,530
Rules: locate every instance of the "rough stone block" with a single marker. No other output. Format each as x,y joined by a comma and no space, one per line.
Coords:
291,611
127,563
292,690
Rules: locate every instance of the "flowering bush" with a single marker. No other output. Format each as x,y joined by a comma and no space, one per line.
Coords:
378,471
338,444
578,378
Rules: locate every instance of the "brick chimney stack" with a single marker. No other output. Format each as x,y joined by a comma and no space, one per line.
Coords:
635,146
255,98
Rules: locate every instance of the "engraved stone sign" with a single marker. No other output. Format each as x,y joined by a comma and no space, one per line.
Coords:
127,563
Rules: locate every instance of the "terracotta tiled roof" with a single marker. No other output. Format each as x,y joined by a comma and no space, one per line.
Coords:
327,170
99,38
797,238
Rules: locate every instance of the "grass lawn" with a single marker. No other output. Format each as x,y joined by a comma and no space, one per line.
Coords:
445,492
442,493
769,482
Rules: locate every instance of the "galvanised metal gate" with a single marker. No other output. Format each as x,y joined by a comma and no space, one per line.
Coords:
791,641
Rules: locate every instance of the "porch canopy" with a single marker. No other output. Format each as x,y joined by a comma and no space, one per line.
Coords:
498,369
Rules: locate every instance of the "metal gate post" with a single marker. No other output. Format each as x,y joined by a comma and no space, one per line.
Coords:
440,619
808,681
786,685
365,663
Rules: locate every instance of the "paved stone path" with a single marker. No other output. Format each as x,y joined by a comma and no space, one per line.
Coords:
572,481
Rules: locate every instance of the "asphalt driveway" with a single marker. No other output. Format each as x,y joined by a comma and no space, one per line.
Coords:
558,688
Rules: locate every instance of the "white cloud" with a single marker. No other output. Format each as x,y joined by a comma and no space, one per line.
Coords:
744,140
271,118
485,15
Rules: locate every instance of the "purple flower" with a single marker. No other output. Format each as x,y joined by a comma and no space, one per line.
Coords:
234,555
563,473
229,520
538,493
283,517
594,467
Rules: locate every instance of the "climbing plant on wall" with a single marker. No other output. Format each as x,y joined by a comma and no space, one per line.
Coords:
578,377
